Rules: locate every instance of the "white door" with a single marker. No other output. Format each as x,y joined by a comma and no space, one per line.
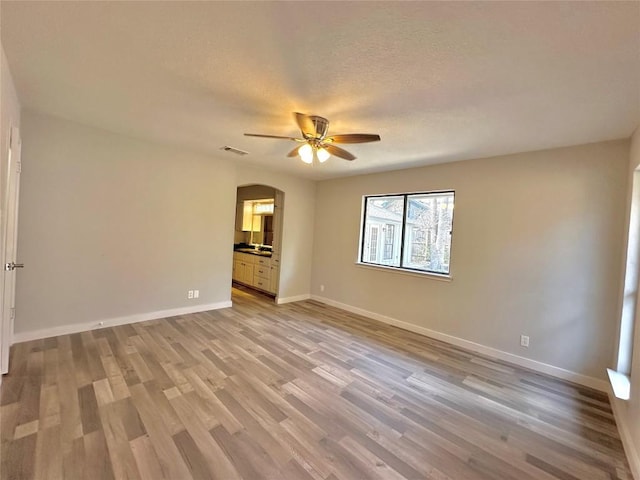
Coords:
9,265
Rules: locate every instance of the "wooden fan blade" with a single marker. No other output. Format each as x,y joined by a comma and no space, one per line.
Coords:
339,152
293,153
273,136
353,138
307,127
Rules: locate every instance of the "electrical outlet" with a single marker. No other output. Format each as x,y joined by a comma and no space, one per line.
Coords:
322,288
190,294
196,293
524,341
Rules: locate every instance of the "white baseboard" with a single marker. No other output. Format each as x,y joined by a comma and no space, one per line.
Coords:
112,322
632,451
541,367
296,298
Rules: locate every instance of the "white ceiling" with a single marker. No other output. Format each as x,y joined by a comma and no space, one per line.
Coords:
439,81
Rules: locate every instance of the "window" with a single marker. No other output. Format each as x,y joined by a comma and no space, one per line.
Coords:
411,231
621,377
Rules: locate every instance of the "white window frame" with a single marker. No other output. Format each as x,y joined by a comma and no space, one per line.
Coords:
364,250
620,378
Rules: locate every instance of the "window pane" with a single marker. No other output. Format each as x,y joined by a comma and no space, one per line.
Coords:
427,238
382,230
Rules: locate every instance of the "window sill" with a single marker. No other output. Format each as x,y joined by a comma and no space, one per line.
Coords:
405,271
620,384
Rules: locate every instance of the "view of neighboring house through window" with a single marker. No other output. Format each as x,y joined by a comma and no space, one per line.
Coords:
373,251
409,231
389,241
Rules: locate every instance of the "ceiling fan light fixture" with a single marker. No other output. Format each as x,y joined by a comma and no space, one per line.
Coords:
315,142
306,153
323,155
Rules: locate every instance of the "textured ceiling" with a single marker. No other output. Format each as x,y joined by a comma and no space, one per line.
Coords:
438,81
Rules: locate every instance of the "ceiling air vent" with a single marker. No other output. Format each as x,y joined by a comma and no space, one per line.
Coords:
237,151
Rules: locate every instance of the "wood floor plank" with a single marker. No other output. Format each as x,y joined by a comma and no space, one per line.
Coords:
73,458
88,409
254,426
122,460
48,463
97,464
49,415
80,350
296,391
147,460
219,465
303,445
374,466
294,471
131,420
9,420
91,357
70,417
161,434
18,458
192,456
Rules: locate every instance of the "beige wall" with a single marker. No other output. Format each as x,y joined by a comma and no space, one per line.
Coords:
297,228
111,226
536,249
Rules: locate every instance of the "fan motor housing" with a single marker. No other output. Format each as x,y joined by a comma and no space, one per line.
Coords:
321,124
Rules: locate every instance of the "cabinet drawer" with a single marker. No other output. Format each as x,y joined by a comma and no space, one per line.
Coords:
264,261
261,283
263,272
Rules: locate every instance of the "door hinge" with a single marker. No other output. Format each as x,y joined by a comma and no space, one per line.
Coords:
12,313
19,166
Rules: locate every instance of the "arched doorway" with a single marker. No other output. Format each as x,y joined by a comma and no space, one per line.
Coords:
258,239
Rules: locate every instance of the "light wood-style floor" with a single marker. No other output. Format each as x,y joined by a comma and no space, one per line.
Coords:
298,391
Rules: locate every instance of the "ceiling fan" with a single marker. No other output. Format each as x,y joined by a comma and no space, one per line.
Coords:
316,142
